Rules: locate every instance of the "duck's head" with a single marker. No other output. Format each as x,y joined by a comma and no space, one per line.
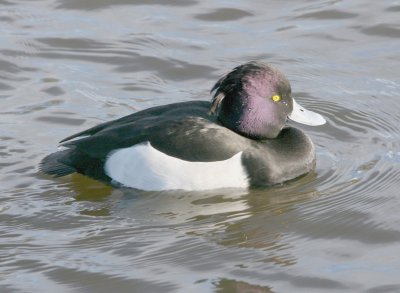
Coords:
255,100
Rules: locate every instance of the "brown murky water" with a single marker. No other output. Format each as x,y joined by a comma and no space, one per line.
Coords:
66,65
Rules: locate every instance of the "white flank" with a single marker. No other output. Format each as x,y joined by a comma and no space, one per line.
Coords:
143,167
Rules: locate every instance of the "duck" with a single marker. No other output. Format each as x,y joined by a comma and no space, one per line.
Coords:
238,139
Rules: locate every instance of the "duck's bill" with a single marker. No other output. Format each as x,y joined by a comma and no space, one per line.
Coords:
304,116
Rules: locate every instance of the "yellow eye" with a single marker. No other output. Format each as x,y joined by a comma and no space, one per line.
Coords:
276,98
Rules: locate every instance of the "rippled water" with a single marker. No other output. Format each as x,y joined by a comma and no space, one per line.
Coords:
66,65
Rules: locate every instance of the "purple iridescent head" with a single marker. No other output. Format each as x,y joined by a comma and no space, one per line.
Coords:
255,100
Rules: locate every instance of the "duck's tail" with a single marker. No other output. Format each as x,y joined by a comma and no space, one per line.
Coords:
54,166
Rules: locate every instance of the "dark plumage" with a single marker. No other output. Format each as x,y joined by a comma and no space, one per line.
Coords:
242,117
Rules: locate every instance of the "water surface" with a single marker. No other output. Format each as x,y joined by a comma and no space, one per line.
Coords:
66,65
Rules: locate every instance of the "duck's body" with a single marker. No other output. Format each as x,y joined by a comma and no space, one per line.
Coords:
183,146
